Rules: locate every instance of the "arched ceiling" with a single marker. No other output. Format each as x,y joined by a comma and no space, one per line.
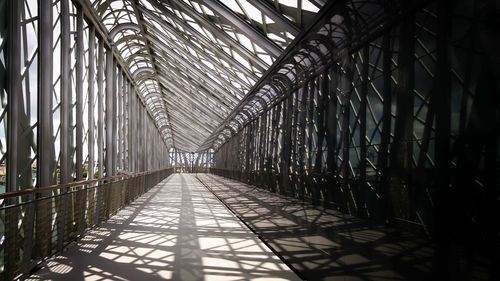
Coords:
193,61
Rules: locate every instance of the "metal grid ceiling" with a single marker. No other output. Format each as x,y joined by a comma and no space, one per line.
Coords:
194,61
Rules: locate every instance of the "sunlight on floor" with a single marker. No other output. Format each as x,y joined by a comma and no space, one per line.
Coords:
177,231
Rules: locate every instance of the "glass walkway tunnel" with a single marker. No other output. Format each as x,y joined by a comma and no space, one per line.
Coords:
245,140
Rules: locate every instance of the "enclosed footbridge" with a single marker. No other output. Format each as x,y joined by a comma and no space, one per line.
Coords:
249,140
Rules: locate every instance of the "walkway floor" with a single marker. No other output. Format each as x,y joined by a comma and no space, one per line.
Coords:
177,231
324,244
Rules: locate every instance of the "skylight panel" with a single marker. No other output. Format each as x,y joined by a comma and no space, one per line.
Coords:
224,63
236,84
265,57
242,77
197,27
156,24
254,13
241,60
290,3
308,6
231,4
279,40
207,11
147,5
243,39
209,64
191,51
209,35
197,7
115,5
178,14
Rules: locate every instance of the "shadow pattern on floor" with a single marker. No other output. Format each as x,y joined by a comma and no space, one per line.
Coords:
324,244
176,231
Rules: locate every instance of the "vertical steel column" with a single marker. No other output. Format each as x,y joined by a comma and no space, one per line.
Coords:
100,124
345,83
119,120
114,94
270,159
11,252
311,190
255,147
109,113
276,153
142,137
331,122
450,201
25,140
90,106
79,94
321,108
14,93
100,107
384,188
125,125
294,144
361,186
138,132
263,144
175,160
301,127
122,119
65,94
248,149
65,160
401,161
285,150
154,147
80,201
310,120
135,132
130,132
147,139
45,138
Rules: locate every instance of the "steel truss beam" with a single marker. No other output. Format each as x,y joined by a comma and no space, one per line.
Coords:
221,35
254,35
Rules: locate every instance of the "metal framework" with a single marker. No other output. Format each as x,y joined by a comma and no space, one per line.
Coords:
94,92
386,110
70,111
194,61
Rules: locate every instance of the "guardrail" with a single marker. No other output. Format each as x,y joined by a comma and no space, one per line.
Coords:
39,222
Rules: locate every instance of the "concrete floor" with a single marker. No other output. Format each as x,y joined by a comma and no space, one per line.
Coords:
176,231
324,244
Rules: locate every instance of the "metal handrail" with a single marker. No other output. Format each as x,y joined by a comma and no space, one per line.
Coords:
70,184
